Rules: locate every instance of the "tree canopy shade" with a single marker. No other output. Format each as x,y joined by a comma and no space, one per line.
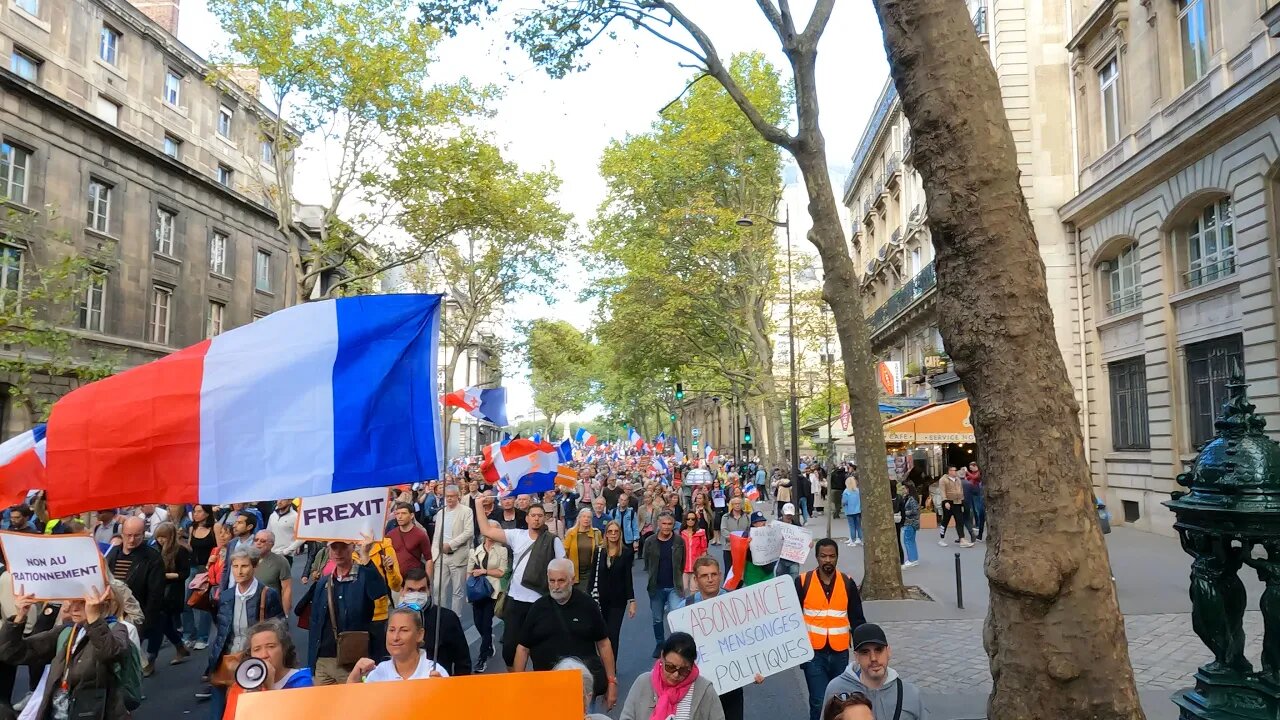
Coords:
562,368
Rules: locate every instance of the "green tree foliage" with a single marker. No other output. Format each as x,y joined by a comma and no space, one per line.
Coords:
686,290
562,368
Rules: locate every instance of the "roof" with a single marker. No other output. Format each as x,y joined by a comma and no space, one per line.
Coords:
934,423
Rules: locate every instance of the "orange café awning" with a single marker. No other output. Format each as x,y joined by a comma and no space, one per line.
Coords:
935,423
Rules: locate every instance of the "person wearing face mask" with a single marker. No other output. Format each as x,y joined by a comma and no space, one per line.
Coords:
443,637
408,660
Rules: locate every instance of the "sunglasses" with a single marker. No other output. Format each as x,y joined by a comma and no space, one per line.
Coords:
677,670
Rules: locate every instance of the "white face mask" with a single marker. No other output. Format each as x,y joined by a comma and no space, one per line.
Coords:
418,597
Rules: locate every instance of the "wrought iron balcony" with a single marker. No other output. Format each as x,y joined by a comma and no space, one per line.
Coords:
906,147
893,168
919,286
896,237
879,189
917,215
980,20
882,253
866,206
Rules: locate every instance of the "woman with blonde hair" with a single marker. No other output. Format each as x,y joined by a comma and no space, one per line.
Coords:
580,544
611,583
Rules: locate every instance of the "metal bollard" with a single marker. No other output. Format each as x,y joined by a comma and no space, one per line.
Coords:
959,585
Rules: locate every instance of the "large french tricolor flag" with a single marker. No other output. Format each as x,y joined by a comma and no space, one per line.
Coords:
315,399
521,466
584,437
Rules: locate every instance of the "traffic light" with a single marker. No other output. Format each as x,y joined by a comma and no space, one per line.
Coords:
673,417
746,435
679,391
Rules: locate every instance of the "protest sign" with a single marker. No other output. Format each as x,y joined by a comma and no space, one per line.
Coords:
755,630
795,542
54,567
346,515
558,694
766,544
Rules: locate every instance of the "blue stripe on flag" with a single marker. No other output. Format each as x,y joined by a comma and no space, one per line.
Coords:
386,428
534,483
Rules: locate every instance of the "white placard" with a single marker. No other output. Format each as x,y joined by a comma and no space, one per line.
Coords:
755,630
766,545
54,567
796,542
346,515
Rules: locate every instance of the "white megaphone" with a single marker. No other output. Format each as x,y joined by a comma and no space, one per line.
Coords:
251,673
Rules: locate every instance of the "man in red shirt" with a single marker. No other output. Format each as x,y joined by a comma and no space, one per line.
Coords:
412,546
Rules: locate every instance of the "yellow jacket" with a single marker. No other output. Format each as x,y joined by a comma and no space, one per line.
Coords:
379,550
571,549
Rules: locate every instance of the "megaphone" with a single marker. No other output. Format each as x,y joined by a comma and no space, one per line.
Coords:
251,673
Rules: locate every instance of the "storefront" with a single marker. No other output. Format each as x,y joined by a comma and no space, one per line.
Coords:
936,435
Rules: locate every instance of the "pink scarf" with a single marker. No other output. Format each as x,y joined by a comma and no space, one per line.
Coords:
669,696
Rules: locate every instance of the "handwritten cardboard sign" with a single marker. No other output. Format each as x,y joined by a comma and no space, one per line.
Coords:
766,544
343,516
757,629
54,567
796,542
558,693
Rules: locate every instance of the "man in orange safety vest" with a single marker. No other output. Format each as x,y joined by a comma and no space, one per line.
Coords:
832,608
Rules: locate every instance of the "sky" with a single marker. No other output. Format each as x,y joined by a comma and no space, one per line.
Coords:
566,124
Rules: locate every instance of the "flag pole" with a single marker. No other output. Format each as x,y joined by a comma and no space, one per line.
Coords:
442,527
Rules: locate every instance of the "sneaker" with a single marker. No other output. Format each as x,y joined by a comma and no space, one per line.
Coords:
849,543
980,539
199,645
180,655
858,541
942,543
148,669
912,563
965,544
482,666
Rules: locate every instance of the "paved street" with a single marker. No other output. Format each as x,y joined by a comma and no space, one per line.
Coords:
936,644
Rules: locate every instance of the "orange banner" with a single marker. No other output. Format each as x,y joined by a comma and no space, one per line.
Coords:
886,378
557,696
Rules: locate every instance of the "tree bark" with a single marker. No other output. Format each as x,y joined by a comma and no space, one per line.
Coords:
1054,631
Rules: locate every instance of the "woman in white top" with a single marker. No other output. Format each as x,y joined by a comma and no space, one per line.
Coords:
408,661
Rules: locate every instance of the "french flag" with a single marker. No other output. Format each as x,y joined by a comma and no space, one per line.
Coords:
487,404
635,439
751,491
315,399
522,466
711,453
585,438
659,443
660,463
22,460
679,454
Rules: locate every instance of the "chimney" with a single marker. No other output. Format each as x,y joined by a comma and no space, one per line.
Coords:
246,76
163,12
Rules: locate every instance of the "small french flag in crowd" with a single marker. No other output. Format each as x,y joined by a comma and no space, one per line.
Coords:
584,438
711,453
314,399
521,466
635,439
487,404
660,462
22,465
751,491
660,443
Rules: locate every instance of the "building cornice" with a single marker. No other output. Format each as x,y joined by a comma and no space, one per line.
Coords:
11,82
1091,25
1250,99
871,135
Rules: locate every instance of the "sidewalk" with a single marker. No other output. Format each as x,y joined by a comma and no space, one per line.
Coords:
938,645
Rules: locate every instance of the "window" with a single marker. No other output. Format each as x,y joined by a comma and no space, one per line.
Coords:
95,291
224,175
216,310
1129,429
109,44
1211,251
107,110
262,271
24,65
161,298
225,115
1209,367
172,88
1109,91
917,263
31,7
1193,27
218,253
172,147
269,151
99,206
15,161
10,276
166,227
1124,279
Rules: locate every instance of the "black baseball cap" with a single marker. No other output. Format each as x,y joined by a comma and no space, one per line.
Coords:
868,634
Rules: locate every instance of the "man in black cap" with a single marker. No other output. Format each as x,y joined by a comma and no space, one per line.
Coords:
869,673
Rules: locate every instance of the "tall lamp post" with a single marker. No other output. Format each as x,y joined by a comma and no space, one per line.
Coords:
831,441
746,222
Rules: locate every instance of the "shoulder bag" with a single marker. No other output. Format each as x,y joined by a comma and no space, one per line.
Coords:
478,587
224,676
352,644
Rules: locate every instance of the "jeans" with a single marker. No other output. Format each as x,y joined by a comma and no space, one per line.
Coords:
826,665
482,611
909,540
803,506
164,626
195,623
786,567
978,511
660,602
855,527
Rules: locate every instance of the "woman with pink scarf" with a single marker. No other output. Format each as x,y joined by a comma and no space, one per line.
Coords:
673,690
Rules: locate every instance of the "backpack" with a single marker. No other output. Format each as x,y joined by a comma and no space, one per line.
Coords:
127,670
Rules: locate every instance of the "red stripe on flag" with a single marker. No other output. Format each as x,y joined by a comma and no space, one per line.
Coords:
131,438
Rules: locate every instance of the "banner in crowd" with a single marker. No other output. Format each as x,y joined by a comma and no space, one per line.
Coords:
349,515
766,544
557,695
53,567
796,542
755,630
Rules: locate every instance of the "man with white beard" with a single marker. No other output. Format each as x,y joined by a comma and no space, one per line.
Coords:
567,623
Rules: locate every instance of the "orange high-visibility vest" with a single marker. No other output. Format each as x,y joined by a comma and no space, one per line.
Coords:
827,620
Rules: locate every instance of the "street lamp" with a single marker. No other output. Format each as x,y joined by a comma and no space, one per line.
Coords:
746,222
831,441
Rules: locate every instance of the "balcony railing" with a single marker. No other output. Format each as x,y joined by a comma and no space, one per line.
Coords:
1124,302
879,189
892,167
906,147
1206,272
980,20
896,237
866,206
903,297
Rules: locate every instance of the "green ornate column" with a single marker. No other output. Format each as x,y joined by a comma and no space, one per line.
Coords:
1229,514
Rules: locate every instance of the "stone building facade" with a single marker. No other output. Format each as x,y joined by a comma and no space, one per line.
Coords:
115,139
1178,143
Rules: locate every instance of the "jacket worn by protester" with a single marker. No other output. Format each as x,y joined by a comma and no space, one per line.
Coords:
225,632
175,589
641,700
362,593
593,538
629,521
92,660
884,699
145,578
454,654
652,560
